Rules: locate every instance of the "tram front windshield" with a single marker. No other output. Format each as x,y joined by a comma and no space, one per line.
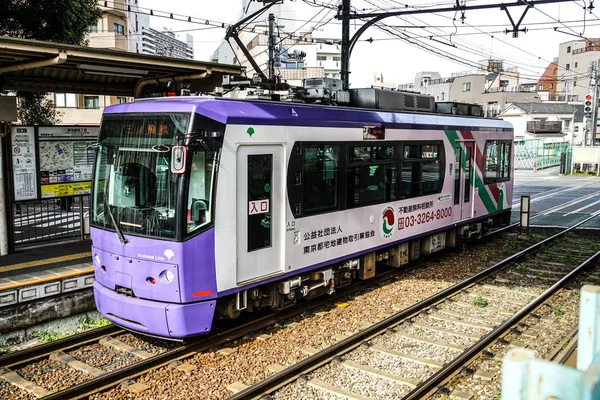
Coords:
133,183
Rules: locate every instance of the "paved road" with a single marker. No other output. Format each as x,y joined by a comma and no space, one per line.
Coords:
548,189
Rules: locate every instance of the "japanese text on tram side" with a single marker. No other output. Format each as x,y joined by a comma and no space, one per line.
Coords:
333,242
421,218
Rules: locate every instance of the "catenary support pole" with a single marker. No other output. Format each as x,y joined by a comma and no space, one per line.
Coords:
3,226
345,44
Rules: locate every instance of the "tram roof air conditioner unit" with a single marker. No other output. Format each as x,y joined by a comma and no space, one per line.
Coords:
392,100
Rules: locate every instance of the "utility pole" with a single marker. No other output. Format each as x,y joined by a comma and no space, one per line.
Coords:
271,46
595,87
590,108
345,14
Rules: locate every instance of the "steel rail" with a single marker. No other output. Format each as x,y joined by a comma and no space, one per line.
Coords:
111,379
45,349
431,385
289,374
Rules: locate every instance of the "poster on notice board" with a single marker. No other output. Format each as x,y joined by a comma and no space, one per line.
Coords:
24,162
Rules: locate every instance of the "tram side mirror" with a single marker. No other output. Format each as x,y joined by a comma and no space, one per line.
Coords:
178,158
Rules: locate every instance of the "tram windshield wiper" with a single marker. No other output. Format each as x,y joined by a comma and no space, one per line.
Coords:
122,237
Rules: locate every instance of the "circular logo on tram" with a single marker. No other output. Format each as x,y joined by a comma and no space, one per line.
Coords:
388,222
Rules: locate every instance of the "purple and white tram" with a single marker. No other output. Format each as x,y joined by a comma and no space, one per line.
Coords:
204,208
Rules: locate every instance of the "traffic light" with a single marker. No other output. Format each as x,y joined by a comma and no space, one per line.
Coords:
587,104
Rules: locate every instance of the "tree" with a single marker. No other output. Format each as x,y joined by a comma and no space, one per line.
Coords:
65,21
36,109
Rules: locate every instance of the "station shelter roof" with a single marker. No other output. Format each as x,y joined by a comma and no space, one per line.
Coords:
33,65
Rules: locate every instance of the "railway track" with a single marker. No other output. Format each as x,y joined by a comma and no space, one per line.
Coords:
93,379
411,354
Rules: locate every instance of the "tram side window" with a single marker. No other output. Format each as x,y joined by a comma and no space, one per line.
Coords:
320,178
497,161
371,175
420,170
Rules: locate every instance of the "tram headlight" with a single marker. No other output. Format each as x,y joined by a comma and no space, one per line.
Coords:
166,276
97,259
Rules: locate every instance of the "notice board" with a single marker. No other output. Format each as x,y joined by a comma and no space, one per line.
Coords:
65,159
52,161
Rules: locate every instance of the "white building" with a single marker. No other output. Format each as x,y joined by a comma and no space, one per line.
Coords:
574,59
552,121
146,40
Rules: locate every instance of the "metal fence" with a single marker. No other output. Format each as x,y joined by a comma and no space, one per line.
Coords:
536,153
48,219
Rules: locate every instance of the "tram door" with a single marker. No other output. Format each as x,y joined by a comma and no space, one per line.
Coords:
464,181
260,211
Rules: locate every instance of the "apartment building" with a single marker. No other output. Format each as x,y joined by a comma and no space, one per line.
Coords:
574,59
122,26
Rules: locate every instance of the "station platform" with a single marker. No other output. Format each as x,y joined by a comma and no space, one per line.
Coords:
34,273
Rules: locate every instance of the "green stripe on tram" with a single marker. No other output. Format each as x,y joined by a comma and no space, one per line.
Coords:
454,139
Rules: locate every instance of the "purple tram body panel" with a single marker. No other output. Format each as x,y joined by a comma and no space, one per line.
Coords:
230,111
158,308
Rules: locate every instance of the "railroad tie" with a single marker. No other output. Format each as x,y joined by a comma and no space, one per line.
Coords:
408,357
17,380
459,322
487,320
446,331
124,347
337,391
429,341
412,383
75,363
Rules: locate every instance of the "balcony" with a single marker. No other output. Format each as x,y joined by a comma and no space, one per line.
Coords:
586,49
544,126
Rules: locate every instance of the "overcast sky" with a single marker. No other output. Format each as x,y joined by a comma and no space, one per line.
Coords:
480,37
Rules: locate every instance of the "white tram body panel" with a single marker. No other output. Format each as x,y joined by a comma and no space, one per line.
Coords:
300,244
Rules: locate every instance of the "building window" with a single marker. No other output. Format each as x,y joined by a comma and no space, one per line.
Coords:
552,86
497,161
93,28
574,83
466,87
555,71
137,47
503,83
576,64
442,96
121,100
566,124
320,178
92,102
65,100
541,87
337,58
567,67
321,58
568,49
119,29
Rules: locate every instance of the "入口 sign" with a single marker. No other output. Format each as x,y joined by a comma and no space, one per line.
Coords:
258,207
